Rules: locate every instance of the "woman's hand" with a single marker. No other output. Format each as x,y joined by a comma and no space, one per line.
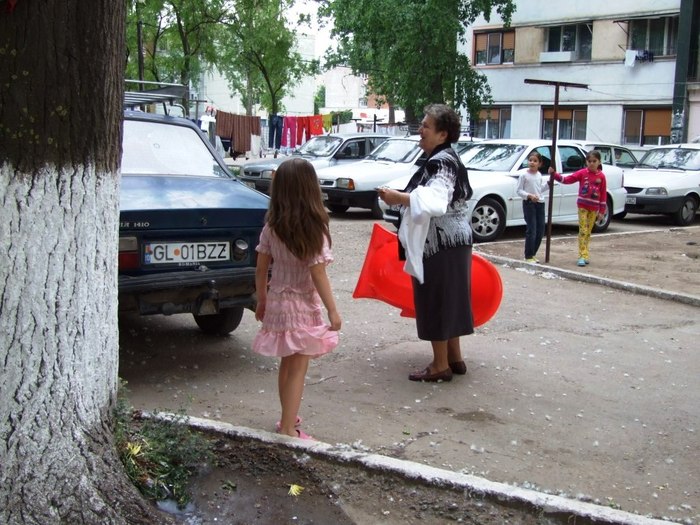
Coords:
392,197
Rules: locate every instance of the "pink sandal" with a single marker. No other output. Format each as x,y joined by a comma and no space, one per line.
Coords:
300,435
278,425
304,435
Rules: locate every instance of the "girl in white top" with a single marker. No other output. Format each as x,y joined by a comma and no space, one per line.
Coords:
533,187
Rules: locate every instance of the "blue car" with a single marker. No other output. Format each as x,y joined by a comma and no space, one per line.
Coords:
187,227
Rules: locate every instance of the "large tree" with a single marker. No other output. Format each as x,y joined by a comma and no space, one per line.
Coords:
61,68
408,48
259,55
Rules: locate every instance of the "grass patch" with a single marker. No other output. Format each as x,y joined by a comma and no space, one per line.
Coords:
160,457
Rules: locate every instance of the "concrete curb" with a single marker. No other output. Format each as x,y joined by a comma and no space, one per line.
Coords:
688,299
496,492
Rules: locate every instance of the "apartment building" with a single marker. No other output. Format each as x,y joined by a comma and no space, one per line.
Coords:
636,62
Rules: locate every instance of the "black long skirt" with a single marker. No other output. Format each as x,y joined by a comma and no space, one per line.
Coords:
443,302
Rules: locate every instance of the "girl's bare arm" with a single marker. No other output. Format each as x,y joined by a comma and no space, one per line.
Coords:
323,287
261,272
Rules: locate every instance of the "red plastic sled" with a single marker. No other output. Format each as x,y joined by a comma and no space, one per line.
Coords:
382,277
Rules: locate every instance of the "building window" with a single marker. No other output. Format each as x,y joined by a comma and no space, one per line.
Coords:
571,123
493,123
658,35
647,127
495,48
577,38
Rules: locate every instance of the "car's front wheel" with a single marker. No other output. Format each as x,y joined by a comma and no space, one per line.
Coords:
337,208
602,224
223,323
686,213
488,220
377,212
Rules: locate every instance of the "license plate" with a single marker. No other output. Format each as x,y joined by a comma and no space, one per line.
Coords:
630,200
186,252
249,184
324,196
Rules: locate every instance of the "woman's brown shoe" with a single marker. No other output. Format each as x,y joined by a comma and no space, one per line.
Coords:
458,367
425,375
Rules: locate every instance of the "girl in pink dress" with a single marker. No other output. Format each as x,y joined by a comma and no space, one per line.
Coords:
295,243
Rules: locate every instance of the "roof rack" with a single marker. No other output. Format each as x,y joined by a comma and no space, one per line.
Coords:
167,94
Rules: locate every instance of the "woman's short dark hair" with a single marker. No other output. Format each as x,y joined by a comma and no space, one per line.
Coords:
446,119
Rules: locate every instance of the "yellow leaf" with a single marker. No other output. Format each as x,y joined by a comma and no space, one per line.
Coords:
295,490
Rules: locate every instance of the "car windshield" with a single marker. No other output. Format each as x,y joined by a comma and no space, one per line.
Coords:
396,150
492,157
321,146
678,158
152,148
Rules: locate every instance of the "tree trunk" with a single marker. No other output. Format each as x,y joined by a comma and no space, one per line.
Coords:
61,65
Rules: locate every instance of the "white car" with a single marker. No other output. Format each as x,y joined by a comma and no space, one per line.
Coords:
354,185
666,181
612,154
494,167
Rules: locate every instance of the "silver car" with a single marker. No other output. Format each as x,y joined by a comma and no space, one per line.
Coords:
322,151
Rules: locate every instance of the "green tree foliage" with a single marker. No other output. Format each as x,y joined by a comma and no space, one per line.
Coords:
408,49
179,38
258,54
319,99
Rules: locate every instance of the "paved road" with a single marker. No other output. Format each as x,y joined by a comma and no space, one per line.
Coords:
572,388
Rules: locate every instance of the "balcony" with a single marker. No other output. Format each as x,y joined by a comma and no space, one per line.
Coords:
557,56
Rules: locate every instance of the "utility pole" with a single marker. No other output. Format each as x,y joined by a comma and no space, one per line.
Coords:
690,10
555,132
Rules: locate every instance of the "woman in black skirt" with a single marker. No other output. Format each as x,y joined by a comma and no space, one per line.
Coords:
436,235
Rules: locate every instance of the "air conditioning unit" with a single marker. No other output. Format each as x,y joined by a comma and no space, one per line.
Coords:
557,56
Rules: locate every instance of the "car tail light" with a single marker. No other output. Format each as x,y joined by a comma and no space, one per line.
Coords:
128,253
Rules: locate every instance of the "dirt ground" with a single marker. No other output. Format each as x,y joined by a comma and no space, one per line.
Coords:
573,389
667,261
250,485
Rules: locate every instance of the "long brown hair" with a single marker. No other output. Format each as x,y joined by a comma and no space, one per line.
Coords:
296,213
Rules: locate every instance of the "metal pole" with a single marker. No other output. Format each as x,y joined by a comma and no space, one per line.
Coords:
555,132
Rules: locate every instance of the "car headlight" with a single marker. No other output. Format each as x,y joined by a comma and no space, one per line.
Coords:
266,174
346,184
656,191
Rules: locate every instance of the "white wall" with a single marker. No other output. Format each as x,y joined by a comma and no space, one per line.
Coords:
343,89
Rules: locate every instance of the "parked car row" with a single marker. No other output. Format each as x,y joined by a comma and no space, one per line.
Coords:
321,150
494,167
354,185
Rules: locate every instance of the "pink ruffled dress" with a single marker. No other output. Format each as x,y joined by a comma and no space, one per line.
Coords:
294,321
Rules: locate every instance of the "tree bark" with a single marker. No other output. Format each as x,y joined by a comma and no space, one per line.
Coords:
61,67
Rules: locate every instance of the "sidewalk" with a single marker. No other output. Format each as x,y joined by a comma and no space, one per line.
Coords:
663,264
